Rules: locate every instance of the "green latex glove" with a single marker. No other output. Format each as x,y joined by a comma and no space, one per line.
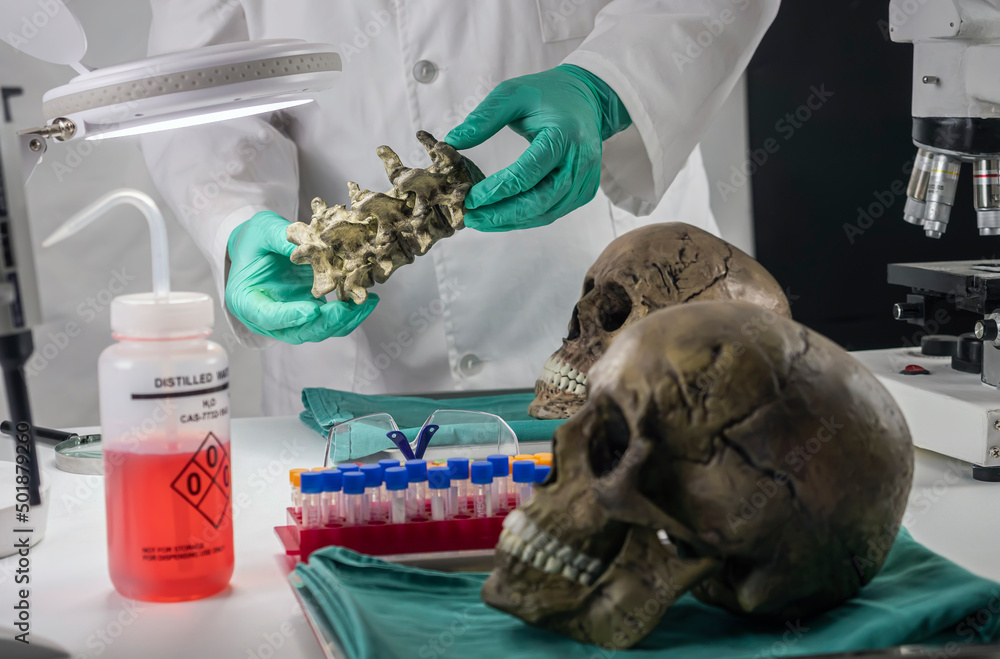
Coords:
273,296
565,113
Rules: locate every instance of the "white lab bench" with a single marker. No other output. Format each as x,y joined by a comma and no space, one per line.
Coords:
74,604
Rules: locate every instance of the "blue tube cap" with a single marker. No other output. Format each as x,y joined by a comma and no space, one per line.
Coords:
388,464
439,478
459,468
501,465
524,471
395,479
333,480
311,482
541,473
347,466
482,472
416,470
373,475
354,482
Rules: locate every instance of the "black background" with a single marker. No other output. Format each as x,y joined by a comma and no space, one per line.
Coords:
850,150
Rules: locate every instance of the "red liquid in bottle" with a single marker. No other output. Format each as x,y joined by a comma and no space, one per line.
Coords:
170,522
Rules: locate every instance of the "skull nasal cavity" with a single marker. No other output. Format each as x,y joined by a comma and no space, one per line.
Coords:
609,440
574,325
614,307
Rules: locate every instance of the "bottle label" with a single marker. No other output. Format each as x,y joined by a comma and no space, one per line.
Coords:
197,396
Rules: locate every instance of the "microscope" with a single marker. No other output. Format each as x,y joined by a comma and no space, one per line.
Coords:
947,385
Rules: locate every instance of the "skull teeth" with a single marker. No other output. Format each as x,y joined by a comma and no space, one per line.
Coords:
522,539
562,375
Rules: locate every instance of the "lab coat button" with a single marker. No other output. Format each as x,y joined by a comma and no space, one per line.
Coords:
470,365
425,71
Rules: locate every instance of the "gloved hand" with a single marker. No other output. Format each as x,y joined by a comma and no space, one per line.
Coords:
565,113
272,296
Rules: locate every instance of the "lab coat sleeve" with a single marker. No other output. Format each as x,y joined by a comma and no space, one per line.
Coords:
215,177
672,79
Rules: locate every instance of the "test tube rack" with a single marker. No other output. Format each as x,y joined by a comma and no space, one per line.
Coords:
421,536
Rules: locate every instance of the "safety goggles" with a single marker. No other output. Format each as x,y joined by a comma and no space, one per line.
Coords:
463,431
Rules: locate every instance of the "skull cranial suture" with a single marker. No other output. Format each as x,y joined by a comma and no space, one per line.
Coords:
646,269
351,249
770,459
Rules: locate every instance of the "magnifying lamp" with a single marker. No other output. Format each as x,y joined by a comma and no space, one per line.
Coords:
174,90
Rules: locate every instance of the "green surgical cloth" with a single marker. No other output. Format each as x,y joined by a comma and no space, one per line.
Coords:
325,407
384,610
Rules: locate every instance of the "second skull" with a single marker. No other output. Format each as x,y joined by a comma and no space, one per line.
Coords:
649,268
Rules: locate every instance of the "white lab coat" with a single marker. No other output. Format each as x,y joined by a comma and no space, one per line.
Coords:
480,311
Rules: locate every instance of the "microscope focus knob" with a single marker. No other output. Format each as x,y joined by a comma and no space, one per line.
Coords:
907,310
987,329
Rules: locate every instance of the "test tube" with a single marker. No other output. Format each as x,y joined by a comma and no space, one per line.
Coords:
439,482
416,474
373,491
524,480
541,473
501,470
544,459
482,488
459,472
354,496
312,489
395,485
294,476
386,464
330,503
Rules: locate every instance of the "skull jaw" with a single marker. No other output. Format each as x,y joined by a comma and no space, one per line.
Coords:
620,609
552,402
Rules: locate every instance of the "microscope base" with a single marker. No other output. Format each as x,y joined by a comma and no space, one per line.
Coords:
949,412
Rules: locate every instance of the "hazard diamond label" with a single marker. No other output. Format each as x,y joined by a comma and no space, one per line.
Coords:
204,482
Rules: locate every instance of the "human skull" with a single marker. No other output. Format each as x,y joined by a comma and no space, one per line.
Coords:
767,455
646,269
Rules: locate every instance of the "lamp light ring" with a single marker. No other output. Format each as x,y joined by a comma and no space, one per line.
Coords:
202,78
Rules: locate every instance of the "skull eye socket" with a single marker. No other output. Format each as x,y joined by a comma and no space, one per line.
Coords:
615,306
609,437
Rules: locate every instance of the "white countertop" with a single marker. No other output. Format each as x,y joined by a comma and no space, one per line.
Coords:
74,604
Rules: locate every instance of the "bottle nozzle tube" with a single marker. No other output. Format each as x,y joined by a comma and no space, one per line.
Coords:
157,230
